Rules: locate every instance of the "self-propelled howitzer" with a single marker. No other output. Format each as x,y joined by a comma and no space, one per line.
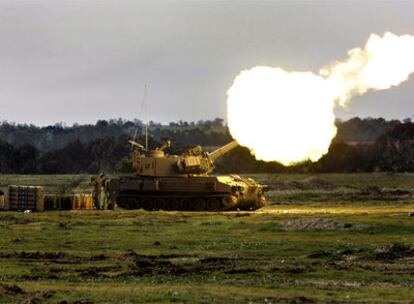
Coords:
181,182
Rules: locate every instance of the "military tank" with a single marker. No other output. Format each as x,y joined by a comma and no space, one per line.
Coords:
181,182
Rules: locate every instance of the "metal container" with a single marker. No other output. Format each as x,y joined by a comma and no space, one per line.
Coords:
82,202
68,202
58,202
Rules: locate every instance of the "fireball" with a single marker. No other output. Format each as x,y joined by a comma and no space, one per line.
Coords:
289,116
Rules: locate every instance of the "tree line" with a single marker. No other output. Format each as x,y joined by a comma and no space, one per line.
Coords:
59,135
361,145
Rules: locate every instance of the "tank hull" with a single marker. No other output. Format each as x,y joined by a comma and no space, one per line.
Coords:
186,193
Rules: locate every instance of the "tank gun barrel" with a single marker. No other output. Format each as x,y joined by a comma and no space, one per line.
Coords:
135,144
167,144
223,150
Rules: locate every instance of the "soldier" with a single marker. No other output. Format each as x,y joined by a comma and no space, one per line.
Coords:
109,204
96,192
99,196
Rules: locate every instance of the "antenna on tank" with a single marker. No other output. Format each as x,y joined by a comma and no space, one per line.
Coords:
143,116
146,117
146,136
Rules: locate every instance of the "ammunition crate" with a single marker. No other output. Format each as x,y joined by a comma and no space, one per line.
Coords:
22,198
82,202
68,202
58,202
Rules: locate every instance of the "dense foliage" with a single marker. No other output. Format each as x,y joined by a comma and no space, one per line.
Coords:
361,145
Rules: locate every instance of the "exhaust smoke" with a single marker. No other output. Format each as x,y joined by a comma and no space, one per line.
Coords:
289,116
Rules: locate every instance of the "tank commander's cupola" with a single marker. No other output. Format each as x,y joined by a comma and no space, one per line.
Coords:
159,152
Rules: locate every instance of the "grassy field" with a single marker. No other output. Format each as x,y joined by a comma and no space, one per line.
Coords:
325,238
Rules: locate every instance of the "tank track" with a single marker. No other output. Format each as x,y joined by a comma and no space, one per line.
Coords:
173,203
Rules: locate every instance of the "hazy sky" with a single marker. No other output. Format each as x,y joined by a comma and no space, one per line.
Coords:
79,61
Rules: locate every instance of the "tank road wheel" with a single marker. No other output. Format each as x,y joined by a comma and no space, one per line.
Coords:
134,203
165,204
229,202
126,202
172,203
152,204
213,204
121,201
146,203
179,206
158,203
138,201
200,204
186,204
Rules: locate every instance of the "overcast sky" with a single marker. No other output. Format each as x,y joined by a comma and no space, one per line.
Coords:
80,61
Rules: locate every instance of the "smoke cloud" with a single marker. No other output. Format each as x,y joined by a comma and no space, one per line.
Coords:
289,116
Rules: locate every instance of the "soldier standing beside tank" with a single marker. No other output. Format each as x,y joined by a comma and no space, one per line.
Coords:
96,191
100,200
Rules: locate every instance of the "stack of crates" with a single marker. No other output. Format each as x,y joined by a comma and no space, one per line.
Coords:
22,198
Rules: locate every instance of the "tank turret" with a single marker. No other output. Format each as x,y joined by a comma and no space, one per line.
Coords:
193,162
